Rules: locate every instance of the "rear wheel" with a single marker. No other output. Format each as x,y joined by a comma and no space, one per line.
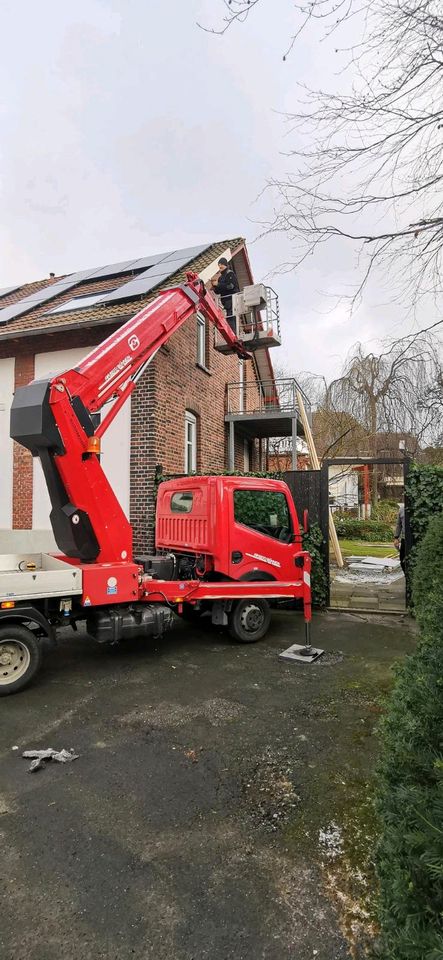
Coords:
20,658
249,620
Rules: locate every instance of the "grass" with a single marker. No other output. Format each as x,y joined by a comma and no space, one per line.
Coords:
361,548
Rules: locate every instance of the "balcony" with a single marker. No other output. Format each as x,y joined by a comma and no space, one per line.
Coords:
263,410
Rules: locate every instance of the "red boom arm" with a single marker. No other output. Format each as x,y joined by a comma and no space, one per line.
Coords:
110,372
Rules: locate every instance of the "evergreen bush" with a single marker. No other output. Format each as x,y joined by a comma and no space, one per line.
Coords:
410,778
372,531
424,490
313,542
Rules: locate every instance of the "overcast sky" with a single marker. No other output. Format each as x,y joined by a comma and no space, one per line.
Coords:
126,130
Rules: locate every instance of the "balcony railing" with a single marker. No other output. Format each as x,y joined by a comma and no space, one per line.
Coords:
256,319
268,396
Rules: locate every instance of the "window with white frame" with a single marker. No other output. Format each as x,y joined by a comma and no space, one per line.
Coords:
190,442
201,340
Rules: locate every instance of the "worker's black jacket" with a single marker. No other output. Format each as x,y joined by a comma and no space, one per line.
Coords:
225,287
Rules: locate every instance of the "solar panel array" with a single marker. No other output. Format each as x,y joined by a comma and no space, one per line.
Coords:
154,270
155,274
41,296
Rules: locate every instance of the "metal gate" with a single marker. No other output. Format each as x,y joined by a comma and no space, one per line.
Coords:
310,491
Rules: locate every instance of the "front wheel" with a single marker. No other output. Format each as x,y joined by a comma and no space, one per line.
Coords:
249,620
20,658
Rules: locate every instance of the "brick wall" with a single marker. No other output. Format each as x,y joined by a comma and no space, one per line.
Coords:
22,459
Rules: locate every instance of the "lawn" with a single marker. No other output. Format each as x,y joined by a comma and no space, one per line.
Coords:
361,548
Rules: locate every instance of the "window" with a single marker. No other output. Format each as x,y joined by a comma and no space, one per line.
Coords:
79,303
182,502
265,511
201,340
190,442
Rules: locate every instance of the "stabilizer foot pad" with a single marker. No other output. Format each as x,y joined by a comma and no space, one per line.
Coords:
301,653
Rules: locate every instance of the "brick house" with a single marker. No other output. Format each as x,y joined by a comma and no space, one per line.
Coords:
178,415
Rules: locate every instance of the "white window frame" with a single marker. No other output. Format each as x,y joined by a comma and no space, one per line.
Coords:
190,442
201,340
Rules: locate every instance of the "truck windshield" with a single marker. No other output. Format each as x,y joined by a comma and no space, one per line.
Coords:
265,511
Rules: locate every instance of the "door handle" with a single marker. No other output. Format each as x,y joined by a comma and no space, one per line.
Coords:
236,556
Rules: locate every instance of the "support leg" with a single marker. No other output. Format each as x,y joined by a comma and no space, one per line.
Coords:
294,443
231,451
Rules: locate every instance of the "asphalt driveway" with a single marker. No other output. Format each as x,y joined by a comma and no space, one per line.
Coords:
193,824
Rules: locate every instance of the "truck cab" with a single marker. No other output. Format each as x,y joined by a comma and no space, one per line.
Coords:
236,528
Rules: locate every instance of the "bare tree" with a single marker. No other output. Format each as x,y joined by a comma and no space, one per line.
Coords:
394,395
367,166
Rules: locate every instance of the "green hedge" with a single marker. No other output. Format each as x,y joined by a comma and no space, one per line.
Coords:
373,531
410,778
313,542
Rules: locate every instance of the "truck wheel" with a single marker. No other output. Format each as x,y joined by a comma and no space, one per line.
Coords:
20,658
249,620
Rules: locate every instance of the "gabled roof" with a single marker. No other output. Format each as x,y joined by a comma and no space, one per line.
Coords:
33,317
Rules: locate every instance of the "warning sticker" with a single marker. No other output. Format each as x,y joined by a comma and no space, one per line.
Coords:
86,602
111,585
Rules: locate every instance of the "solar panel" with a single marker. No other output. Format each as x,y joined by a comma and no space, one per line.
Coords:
41,296
4,292
146,262
189,253
152,277
137,287
113,269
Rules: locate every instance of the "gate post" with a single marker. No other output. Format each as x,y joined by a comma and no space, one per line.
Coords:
324,524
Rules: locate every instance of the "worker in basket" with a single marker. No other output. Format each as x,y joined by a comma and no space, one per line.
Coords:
225,284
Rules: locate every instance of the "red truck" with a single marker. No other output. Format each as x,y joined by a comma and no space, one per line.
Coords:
224,545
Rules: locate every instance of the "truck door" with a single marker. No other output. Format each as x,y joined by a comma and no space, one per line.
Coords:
262,534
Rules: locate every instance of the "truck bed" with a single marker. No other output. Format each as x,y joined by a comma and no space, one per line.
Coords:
31,576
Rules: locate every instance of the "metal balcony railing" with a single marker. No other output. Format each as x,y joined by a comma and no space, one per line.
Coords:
268,396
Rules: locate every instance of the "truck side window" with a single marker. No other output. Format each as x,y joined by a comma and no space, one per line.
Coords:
265,511
182,502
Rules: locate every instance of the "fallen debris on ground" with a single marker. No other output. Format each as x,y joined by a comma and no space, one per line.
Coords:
39,757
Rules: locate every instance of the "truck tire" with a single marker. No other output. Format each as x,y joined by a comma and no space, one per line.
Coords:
20,658
249,620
